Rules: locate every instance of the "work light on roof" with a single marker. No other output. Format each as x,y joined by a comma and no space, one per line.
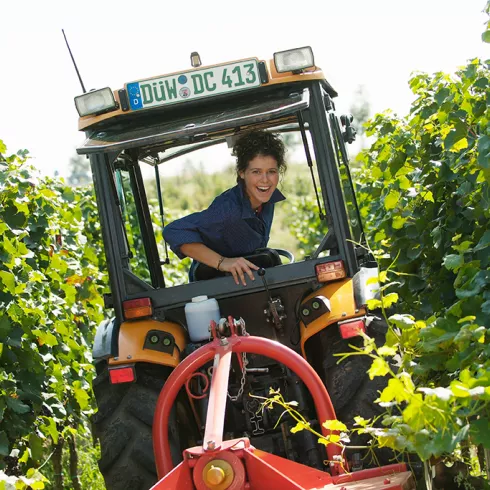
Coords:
294,59
95,102
195,59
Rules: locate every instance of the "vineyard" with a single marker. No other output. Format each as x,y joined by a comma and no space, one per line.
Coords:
423,188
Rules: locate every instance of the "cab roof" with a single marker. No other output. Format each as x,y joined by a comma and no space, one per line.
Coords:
124,112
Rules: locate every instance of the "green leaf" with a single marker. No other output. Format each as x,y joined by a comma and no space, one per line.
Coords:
82,397
4,442
5,326
395,390
480,431
45,338
428,196
299,427
474,285
456,134
463,247
386,351
391,200
36,447
8,280
459,389
9,246
484,151
442,95
17,405
404,183
453,262
389,299
485,37
49,428
484,242
459,145
335,425
373,304
398,222
402,321
485,307
379,367
24,457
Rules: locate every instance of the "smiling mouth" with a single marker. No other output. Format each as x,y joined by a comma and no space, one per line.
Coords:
263,189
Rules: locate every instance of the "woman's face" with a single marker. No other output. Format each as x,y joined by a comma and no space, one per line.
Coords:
261,178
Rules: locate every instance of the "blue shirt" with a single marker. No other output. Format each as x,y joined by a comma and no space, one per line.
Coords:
229,226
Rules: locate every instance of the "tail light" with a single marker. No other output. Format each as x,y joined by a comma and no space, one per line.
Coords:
137,308
122,374
330,271
352,328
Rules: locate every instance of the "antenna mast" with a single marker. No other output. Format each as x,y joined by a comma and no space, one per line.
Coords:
73,59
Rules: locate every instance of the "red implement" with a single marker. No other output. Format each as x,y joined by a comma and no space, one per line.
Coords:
236,465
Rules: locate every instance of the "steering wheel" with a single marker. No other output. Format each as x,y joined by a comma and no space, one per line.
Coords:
285,253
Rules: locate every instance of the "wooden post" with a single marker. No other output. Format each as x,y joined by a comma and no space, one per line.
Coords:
58,464
74,463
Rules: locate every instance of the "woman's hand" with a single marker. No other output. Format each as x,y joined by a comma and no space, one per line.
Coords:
238,267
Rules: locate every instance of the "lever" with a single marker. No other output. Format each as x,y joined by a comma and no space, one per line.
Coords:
261,273
276,309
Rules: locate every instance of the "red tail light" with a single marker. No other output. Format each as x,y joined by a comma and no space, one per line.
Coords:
123,374
352,328
137,308
330,271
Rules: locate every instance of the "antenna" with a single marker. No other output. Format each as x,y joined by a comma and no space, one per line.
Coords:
74,64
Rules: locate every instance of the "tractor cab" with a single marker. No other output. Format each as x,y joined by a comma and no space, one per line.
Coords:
314,307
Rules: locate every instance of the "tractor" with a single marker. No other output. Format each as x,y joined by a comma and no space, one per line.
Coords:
176,412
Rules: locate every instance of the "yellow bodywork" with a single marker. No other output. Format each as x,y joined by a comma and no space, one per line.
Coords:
313,73
342,304
132,337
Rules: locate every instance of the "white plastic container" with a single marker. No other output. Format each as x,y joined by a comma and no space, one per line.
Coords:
199,314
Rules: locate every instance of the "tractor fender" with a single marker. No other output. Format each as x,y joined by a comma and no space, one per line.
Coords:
337,304
147,340
150,341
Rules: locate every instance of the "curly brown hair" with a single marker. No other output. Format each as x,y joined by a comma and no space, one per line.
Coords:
258,142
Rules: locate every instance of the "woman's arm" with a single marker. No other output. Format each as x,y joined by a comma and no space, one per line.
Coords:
237,266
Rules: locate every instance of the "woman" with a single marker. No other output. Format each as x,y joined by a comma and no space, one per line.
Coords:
239,220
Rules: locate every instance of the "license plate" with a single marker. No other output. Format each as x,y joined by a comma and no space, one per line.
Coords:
195,84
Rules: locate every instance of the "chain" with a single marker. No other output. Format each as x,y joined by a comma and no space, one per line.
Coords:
244,365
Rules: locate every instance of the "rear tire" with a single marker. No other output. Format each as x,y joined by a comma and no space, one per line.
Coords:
123,425
350,389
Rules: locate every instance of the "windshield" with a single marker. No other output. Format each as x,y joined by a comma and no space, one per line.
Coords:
166,165
188,178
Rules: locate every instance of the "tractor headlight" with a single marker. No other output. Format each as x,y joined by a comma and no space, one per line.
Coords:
294,59
95,102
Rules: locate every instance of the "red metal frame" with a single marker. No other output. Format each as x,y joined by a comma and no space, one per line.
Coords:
252,345
253,469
